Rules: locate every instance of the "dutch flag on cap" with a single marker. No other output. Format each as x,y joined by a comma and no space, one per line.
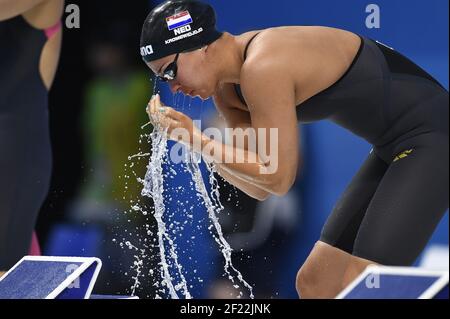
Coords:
179,20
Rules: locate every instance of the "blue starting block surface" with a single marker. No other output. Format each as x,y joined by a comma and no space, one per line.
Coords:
378,282
50,278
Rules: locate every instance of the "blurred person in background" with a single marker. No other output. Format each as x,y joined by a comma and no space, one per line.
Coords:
30,41
112,118
110,134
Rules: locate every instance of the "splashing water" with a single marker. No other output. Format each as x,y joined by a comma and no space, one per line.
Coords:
170,270
154,188
213,207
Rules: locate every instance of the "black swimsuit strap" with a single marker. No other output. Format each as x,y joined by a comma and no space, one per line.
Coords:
248,44
237,87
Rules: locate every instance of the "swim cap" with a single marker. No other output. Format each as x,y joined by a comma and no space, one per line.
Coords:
176,26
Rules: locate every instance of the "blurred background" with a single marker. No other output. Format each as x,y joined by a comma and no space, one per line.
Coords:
97,108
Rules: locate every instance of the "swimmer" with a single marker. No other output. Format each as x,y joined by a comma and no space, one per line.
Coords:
30,36
279,77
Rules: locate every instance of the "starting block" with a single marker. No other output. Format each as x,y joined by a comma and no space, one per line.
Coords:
52,278
378,282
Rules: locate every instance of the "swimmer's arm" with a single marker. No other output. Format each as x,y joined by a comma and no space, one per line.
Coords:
246,187
236,118
272,105
176,120
13,8
257,174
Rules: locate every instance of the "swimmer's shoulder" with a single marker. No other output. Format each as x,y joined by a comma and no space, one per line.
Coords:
267,42
301,41
271,48
293,55
269,57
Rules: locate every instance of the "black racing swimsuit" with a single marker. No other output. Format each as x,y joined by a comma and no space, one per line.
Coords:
25,155
392,206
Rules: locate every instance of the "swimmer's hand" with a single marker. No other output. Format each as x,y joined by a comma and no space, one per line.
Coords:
180,127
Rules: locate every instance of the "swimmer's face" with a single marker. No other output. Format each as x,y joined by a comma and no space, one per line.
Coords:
193,74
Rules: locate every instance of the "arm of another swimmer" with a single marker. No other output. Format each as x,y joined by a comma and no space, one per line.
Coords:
12,8
270,94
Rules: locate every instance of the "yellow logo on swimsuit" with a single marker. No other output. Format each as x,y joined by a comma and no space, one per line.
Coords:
403,155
